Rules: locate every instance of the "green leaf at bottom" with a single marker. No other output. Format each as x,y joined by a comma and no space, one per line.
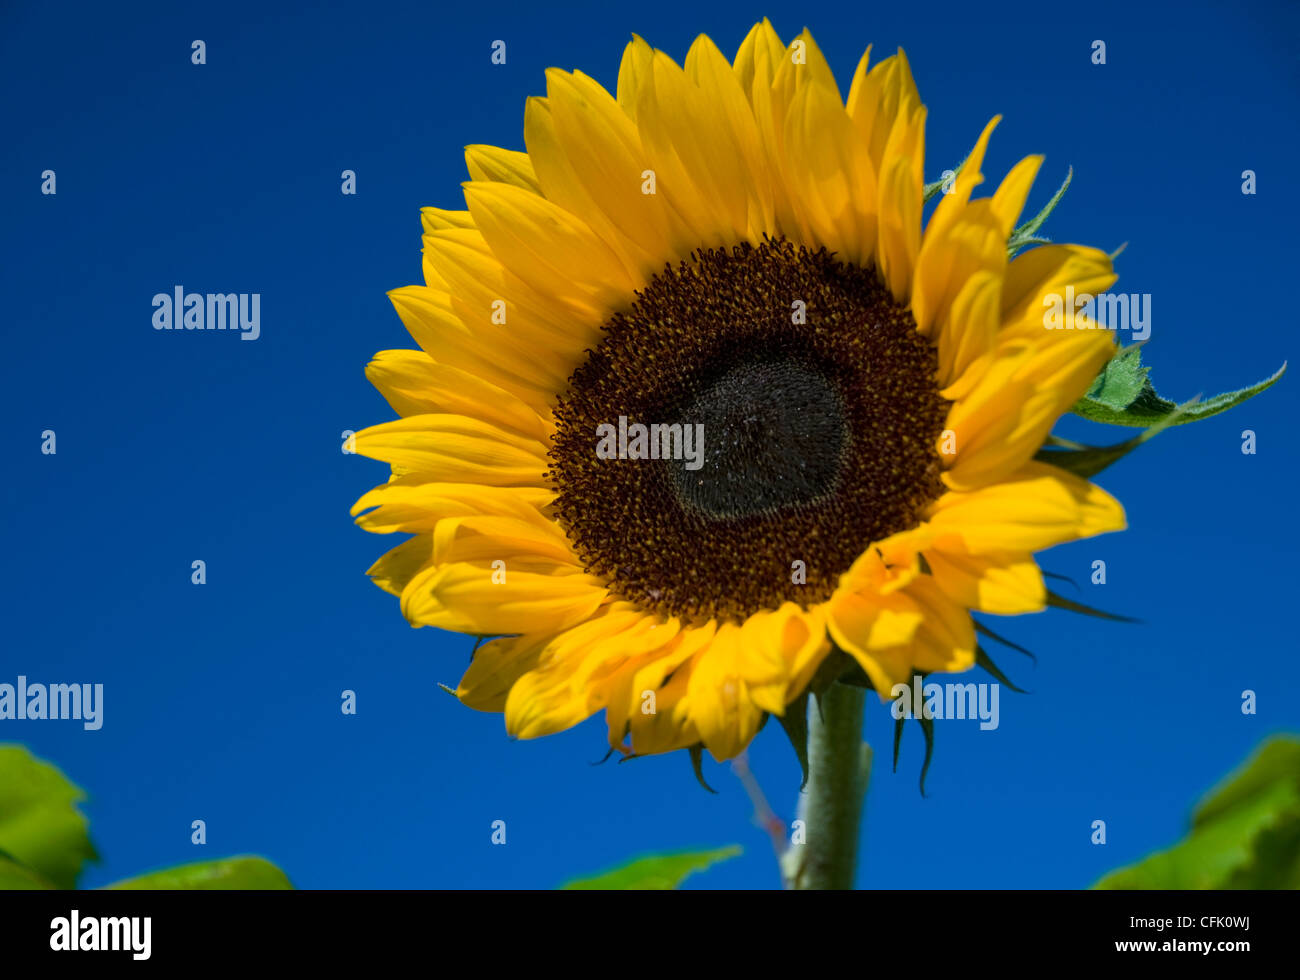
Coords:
40,825
229,874
15,877
658,872
1245,835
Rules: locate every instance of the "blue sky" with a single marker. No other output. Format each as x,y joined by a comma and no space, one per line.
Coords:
222,701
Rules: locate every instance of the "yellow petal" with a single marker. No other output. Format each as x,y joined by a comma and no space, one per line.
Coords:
1011,407
1035,508
456,449
548,248
730,127
590,161
407,505
551,698
971,324
876,631
931,278
441,219
834,185
720,705
971,244
945,640
414,385
1005,583
1045,272
428,317
669,726
394,571
491,163
902,191
757,59
634,73
880,100
696,171
804,64
495,669
490,538
464,597
1009,199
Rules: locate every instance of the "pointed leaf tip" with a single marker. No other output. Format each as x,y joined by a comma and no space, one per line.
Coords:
795,723
697,763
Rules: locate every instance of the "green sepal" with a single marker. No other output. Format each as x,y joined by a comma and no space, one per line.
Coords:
697,763
1122,394
1087,461
1026,234
981,628
836,667
982,659
795,723
934,187
851,673
1060,602
927,726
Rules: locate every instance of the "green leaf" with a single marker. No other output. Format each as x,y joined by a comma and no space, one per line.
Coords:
1087,461
1278,760
1246,834
229,874
20,878
795,723
1027,234
1122,394
1276,860
40,825
657,872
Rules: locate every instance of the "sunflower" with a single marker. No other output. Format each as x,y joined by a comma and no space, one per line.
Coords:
730,248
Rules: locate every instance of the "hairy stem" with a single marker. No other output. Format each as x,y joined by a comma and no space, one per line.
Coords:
839,768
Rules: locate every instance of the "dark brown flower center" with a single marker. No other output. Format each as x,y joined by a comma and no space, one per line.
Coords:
744,431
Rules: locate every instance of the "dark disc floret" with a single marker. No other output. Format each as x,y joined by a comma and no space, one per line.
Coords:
819,412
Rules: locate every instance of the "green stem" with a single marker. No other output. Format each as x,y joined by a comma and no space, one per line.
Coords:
839,768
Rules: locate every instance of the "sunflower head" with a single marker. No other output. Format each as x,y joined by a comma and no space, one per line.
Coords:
702,409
